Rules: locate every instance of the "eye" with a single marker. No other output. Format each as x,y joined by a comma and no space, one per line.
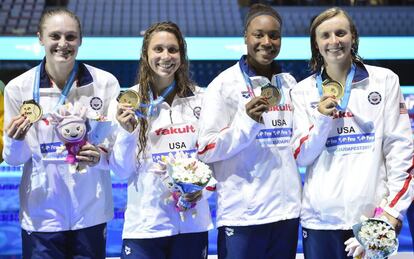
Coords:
341,33
257,35
71,37
173,50
158,49
78,128
324,35
54,36
274,35
67,131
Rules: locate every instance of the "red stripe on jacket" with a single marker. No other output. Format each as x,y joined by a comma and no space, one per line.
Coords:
405,186
207,148
297,151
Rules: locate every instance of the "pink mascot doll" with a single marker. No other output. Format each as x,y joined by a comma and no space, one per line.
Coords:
71,130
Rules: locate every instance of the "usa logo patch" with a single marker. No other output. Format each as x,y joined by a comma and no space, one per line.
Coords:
96,103
374,98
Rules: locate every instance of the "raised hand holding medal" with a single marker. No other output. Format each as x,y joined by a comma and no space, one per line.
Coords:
330,87
131,97
270,91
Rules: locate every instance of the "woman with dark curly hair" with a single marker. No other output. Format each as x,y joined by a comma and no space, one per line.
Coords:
167,114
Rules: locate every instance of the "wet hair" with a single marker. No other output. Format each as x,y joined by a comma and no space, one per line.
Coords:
316,61
146,75
49,12
261,9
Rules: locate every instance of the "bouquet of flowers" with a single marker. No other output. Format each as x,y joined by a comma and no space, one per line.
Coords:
184,174
377,236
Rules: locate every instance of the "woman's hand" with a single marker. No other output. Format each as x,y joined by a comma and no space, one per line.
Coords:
396,223
126,117
256,107
18,127
89,155
327,105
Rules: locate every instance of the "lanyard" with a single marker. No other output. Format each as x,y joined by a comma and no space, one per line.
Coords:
66,88
153,104
347,91
277,83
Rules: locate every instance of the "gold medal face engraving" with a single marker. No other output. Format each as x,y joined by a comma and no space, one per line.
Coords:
272,95
333,88
129,97
31,110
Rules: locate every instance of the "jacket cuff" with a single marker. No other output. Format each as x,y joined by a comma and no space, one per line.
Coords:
393,212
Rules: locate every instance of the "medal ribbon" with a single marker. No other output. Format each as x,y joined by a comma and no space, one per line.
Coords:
250,87
66,88
347,91
153,105
279,86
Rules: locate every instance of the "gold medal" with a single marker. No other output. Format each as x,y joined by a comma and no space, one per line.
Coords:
272,95
129,97
330,87
31,110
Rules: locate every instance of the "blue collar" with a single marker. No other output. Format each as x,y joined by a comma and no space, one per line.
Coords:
84,77
361,73
251,72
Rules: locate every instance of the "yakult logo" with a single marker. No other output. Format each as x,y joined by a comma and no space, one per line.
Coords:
284,107
340,114
172,130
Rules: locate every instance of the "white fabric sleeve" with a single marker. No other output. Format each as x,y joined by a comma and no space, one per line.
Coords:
123,156
224,129
397,149
310,128
15,152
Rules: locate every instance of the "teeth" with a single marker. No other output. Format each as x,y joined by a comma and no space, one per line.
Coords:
335,49
62,52
166,66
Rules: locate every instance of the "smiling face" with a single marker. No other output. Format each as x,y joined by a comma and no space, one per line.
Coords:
263,40
164,55
73,132
60,36
334,40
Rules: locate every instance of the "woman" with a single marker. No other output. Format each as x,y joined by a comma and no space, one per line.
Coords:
153,228
353,134
62,215
245,134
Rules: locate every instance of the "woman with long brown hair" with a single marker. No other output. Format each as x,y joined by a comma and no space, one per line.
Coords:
165,122
353,134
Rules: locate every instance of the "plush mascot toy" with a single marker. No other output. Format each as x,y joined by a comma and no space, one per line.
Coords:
70,127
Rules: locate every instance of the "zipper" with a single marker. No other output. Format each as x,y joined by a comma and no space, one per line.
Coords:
171,120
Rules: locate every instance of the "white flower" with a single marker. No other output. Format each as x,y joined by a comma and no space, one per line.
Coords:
378,237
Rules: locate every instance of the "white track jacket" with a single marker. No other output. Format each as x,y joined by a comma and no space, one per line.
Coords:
149,212
51,198
358,157
258,181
